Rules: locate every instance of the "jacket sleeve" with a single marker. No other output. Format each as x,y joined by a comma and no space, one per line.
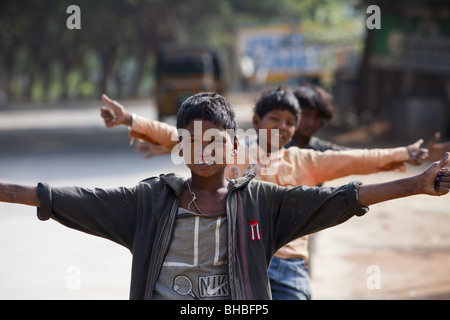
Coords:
109,214
330,165
305,210
156,132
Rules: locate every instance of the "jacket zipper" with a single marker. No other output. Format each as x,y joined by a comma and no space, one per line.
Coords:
231,250
163,246
232,218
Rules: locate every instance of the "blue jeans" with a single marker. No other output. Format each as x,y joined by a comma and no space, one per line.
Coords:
289,279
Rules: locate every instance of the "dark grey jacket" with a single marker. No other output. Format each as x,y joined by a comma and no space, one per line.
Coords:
262,217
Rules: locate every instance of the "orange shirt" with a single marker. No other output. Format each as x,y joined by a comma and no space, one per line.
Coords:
287,167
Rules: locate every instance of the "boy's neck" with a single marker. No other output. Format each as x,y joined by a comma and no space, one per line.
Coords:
212,183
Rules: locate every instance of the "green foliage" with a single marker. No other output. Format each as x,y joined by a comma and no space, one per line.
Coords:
43,60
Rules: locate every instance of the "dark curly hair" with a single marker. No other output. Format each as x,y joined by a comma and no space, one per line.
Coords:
279,99
209,106
313,97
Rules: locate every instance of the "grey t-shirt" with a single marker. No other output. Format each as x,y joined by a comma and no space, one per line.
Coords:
195,266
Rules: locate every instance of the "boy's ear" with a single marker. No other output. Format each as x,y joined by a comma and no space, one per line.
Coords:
256,121
180,146
236,143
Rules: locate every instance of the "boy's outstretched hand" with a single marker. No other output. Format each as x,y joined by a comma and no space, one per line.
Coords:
417,155
114,113
436,178
435,181
435,148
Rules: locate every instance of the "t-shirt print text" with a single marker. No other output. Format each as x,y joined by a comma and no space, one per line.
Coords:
214,286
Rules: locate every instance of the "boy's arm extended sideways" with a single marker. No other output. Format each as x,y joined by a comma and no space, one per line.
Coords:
435,180
13,193
330,164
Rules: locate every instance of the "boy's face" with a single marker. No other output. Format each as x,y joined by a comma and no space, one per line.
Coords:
282,120
206,147
310,122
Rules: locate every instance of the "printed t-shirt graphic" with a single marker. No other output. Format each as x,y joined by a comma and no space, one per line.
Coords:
195,266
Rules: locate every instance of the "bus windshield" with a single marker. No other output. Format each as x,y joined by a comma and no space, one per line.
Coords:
185,66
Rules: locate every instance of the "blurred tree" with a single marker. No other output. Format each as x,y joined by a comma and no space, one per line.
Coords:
42,59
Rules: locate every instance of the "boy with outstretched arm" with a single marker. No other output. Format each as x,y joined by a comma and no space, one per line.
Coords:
206,237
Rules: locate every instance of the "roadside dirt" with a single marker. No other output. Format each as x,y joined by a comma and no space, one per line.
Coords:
399,250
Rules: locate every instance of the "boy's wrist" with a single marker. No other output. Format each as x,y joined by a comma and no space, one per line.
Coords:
128,119
416,183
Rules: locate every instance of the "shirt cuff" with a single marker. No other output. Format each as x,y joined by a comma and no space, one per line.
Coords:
353,201
44,211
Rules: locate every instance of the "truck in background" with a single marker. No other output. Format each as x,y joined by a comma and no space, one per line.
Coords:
184,70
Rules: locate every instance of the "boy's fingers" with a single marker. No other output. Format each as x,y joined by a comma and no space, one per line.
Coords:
109,116
444,184
109,102
419,143
105,111
442,187
445,160
106,99
434,140
442,191
442,180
